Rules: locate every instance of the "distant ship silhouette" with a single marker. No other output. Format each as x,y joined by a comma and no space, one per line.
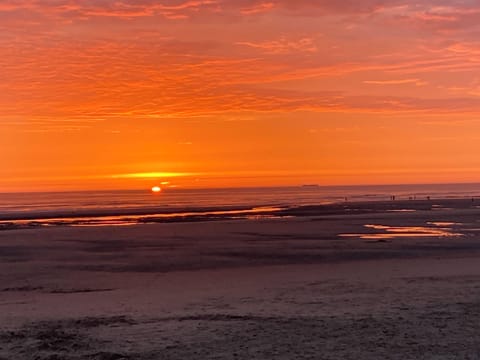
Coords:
310,186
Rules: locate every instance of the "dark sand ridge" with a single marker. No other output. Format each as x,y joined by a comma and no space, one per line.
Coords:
283,288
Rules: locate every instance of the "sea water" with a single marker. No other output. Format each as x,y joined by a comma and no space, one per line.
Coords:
176,199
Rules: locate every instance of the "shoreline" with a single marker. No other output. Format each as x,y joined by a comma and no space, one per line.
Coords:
132,216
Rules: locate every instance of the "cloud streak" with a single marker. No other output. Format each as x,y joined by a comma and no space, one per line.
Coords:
416,82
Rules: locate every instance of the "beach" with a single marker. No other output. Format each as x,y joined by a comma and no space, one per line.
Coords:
369,280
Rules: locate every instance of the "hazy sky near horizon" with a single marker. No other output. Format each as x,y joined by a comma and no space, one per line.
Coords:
115,94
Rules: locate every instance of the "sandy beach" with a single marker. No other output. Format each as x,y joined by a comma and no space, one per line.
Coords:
386,280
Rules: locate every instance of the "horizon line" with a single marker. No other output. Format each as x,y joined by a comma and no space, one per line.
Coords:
176,188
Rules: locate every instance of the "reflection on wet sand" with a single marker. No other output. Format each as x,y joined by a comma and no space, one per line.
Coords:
255,213
444,223
438,207
441,229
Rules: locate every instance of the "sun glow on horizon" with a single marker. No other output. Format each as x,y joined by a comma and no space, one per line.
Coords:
156,189
151,175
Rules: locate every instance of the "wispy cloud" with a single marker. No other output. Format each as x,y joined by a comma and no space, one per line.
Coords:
258,8
416,82
83,10
283,46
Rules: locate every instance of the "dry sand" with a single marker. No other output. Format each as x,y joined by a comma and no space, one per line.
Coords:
288,288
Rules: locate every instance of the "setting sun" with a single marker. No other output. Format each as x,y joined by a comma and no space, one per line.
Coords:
156,189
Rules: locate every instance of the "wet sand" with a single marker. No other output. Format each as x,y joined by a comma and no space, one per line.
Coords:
350,281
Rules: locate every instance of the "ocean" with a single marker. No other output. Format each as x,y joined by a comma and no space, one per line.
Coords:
174,201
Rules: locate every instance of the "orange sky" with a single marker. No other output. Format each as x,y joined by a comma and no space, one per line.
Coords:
127,94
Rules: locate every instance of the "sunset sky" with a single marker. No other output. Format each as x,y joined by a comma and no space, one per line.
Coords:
202,93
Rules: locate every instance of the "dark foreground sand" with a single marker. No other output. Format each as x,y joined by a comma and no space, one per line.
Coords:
289,288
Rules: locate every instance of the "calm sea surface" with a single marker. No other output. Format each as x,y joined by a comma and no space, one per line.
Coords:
178,199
